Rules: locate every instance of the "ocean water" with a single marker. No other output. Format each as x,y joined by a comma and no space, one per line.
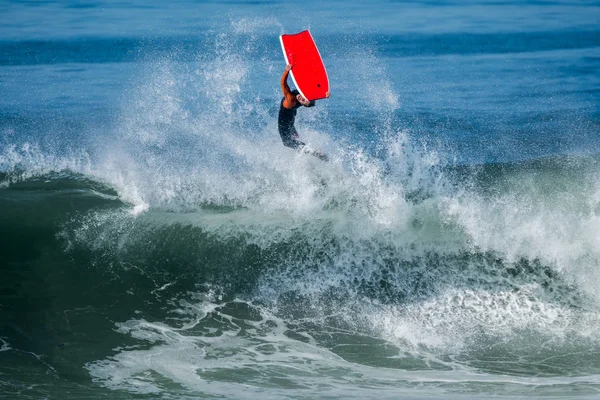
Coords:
157,240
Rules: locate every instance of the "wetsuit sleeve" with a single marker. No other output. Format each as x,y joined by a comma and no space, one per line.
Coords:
290,99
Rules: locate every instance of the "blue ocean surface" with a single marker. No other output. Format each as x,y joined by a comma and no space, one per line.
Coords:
158,241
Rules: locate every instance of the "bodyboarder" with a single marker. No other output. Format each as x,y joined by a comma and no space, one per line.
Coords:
292,100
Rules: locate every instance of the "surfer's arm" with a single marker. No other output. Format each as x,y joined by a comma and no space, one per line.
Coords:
287,93
284,85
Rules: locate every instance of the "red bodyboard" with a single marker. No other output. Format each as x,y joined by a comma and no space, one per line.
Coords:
308,72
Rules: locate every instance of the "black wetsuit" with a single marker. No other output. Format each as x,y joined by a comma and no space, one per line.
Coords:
287,130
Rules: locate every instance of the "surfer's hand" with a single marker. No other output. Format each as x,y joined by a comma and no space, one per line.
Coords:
327,95
288,67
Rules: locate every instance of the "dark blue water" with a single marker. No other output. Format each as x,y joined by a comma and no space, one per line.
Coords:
159,241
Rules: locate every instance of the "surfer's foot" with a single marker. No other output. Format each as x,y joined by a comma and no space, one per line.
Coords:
321,155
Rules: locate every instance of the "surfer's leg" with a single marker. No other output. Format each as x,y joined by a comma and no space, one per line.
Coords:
290,138
301,146
317,153
307,149
293,144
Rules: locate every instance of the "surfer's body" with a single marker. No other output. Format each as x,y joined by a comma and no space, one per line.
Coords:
285,122
292,100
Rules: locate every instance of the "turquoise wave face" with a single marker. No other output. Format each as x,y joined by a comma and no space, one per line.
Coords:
436,285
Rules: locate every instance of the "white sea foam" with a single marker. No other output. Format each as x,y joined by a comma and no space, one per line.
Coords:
240,357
